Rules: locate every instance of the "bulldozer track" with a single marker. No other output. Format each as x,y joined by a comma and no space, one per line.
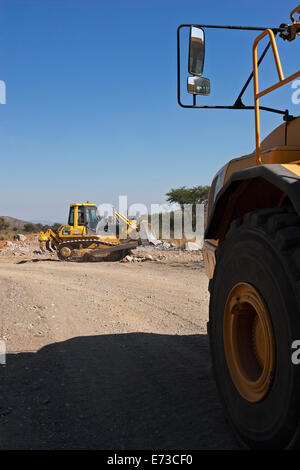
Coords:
88,240
84,243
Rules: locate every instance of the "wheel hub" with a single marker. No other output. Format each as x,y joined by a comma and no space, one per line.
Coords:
249,342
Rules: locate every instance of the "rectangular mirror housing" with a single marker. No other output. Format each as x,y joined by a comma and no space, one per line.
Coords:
196,51
198,85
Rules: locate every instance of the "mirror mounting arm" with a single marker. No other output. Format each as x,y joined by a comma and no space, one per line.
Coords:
238,103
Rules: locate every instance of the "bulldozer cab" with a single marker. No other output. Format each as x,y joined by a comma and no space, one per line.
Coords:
84,215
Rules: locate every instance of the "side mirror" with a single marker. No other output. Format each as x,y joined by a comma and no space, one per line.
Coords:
196,50
198,85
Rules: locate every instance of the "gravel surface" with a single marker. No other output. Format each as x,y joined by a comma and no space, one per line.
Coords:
107,355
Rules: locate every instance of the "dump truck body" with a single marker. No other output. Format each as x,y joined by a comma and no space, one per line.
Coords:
258,189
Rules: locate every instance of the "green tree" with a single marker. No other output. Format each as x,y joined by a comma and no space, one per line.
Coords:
184,195
55,227
3,224
29,228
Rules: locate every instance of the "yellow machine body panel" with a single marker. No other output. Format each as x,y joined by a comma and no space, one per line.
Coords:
282,145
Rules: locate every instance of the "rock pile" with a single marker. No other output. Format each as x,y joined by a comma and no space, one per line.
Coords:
139,258
16,249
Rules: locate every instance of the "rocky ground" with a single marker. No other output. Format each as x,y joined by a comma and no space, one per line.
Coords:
107,355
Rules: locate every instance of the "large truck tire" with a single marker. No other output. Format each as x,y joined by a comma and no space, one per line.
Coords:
254,320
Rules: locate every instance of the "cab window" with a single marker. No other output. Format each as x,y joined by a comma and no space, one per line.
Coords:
71,217
92,219
80,215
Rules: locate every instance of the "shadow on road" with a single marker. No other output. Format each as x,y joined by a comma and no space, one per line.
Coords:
124,391
37,260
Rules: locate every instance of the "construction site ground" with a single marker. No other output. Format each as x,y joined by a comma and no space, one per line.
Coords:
107,355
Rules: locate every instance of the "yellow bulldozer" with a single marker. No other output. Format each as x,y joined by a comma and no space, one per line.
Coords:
252,255
79,239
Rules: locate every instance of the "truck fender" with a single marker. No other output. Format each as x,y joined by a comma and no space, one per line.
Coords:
254,188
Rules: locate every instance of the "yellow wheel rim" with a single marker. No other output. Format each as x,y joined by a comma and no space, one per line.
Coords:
249,342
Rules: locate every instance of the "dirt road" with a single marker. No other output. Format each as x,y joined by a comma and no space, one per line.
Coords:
107,356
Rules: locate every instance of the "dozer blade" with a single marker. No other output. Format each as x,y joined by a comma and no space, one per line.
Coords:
43,247
112,249
110,252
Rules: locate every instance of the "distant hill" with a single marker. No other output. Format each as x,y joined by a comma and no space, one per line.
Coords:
14,222
44,222
19,224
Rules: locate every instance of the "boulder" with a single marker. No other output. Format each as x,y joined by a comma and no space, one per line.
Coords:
19,237
166,246
127,259
192,246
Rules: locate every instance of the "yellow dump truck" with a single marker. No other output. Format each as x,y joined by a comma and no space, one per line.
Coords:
252,256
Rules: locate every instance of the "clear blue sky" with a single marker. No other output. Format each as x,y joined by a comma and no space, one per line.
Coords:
91,107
